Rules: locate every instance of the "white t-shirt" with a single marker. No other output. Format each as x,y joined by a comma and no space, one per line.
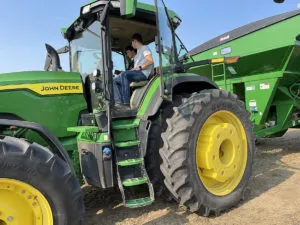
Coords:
140,59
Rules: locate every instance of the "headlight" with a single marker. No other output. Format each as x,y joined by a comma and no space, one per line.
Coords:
86,9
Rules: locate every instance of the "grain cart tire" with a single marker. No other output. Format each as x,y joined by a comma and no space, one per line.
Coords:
208,152
36,186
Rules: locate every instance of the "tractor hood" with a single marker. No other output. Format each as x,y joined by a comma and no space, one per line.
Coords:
42,82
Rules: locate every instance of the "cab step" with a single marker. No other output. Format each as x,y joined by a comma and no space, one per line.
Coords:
86,129
131,162
125,124
127,144
135,203
135,181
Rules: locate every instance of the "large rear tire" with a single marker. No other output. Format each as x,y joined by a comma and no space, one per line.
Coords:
155,142
36,186
208,152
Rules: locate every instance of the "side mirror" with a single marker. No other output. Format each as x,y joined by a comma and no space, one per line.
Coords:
128,7
278,1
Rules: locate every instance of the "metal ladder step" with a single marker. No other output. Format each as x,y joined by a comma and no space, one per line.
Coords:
87,129
127,144
135,203
131,162
125,124
221,75
135,181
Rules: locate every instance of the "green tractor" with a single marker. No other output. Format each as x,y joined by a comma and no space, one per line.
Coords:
183,135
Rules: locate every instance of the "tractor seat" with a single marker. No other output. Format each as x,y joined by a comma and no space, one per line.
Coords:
138,84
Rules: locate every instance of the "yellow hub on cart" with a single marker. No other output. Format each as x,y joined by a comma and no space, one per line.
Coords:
221,153
22,204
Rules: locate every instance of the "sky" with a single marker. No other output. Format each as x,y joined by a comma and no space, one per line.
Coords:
27,25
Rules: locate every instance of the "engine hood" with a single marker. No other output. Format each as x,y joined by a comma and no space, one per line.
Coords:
42,82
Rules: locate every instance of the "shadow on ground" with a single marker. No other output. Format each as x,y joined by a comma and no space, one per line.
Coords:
105,207
269,170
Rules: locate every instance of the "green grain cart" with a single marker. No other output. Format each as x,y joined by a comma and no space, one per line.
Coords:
260,63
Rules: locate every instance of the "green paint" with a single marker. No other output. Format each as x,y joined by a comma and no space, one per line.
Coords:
138,202
124,135
86,129
145,104
131,10
57,113
135,181
94,137
125,130
70,145
90,134
125,124
127,144
35,77
131,162
264,77
63,30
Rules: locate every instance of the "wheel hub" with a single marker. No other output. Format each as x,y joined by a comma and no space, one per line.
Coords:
221,153
220,158
22,204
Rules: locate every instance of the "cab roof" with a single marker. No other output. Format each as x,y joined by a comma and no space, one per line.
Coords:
142,8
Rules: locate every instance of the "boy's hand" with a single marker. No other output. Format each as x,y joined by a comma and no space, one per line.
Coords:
135,69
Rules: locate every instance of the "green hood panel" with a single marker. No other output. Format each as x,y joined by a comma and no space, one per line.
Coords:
32,77
52,99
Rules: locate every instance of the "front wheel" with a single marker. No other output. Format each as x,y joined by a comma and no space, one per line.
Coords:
208,152
36,186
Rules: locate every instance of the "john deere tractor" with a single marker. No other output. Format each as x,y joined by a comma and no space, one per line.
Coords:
183,135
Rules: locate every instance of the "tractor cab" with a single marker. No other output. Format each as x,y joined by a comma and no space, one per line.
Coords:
98,38
182,134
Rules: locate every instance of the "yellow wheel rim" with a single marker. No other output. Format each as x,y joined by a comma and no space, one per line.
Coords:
22,204
221,153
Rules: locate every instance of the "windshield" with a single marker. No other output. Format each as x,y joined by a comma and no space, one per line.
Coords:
181,49
86,52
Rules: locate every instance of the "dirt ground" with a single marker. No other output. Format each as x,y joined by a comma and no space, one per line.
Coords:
274,199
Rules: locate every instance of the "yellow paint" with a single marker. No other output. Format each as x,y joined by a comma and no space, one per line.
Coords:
47,88
23,204
218,60
221,153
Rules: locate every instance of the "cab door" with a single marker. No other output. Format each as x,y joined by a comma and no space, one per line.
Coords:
166,49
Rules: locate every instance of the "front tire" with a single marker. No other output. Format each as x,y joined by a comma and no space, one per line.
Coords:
208,152
36,186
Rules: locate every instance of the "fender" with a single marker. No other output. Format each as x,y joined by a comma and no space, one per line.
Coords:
193,78
51,140
182,83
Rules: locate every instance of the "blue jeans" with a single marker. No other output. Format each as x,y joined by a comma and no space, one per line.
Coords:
121,85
